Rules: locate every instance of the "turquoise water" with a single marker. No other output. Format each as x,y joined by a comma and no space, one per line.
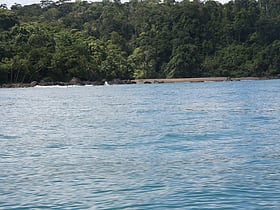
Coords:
213,145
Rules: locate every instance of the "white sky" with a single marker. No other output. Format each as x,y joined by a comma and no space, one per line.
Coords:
9,3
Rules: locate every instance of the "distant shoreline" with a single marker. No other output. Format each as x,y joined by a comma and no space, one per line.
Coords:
136,81
200,79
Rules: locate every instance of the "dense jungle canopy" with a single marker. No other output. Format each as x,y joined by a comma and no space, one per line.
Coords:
97,41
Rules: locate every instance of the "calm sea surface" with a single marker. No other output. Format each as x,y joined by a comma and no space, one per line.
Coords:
213,145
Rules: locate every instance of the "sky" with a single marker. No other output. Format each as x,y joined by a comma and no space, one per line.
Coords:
9,3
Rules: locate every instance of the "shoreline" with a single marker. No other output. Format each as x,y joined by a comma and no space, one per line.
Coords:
201,79
135,81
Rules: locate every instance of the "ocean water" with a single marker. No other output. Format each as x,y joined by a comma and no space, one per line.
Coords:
212,145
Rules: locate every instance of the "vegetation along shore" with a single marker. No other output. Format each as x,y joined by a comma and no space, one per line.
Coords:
130,42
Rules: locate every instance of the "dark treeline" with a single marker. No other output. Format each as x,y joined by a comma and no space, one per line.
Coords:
59,40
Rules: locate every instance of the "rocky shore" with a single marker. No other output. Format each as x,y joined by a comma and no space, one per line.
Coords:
74,81
77,82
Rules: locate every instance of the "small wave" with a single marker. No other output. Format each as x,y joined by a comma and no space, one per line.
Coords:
56,86
2,136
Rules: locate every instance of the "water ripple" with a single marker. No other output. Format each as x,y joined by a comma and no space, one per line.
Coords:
162,146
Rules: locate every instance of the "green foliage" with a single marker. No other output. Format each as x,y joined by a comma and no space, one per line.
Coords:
97,41
7,19
231,61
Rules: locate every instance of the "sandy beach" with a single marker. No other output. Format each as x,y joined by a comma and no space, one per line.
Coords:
201,79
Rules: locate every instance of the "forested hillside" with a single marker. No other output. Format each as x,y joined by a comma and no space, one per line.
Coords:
59,40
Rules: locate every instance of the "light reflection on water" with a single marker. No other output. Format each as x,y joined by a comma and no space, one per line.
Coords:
161,146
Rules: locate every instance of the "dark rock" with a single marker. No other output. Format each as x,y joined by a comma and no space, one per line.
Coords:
16,85
33,84
116,82
6,86
97,83
75,81
129,82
